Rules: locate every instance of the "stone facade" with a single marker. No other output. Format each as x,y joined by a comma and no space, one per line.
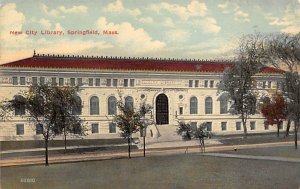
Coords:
178,87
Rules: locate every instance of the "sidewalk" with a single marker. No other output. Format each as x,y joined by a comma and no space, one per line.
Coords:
69,158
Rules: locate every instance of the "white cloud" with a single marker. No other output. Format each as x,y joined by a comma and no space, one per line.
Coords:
46,24
223,6
177,35
195,8
74,9
53,12
134,12
214,49
63,10
58,27
118,7
168,22
289,22
130,38
146,20
208,25
234,8
11,20
57,46
241,15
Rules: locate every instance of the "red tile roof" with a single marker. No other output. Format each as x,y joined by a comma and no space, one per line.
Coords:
133,64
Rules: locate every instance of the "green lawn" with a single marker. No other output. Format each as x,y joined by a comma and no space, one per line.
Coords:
176,171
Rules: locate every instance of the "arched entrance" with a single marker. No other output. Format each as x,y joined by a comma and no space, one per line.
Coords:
162,109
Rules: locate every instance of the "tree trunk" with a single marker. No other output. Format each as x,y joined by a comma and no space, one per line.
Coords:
46,152
296,132
65,135
144,146
129,147
287,132
65,143
245,127
278,126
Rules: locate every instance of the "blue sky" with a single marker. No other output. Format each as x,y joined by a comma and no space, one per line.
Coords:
204,29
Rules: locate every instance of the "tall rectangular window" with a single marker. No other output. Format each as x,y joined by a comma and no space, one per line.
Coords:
42,80
20,129
79,81
238,126
72,81
206,83
95,128
269,84
97,82
112,128
108,82
278,85
38,129
34,80
22,80
115,82
223,106
131,82
190,83
266,125
91,81
211,84
180,110
15,80
224,126
61,81
252,125
196,83
53,81
125,82
209,126
281,125
264,84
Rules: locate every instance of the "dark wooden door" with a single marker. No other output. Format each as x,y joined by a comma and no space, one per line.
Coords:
162,109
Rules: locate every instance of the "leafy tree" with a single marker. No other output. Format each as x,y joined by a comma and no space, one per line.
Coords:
49,107
145,121
275,110
282,50
201,133
185,130
5,110
292,93
239,82
188,132
128,121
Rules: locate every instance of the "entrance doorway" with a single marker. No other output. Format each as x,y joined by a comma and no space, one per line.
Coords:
162,109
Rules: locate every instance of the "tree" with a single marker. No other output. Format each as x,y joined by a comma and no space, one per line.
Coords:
201,133
145,121
188,132
239,82
292,93
184,130
282,50
274,110
128,121
49,107
5,110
